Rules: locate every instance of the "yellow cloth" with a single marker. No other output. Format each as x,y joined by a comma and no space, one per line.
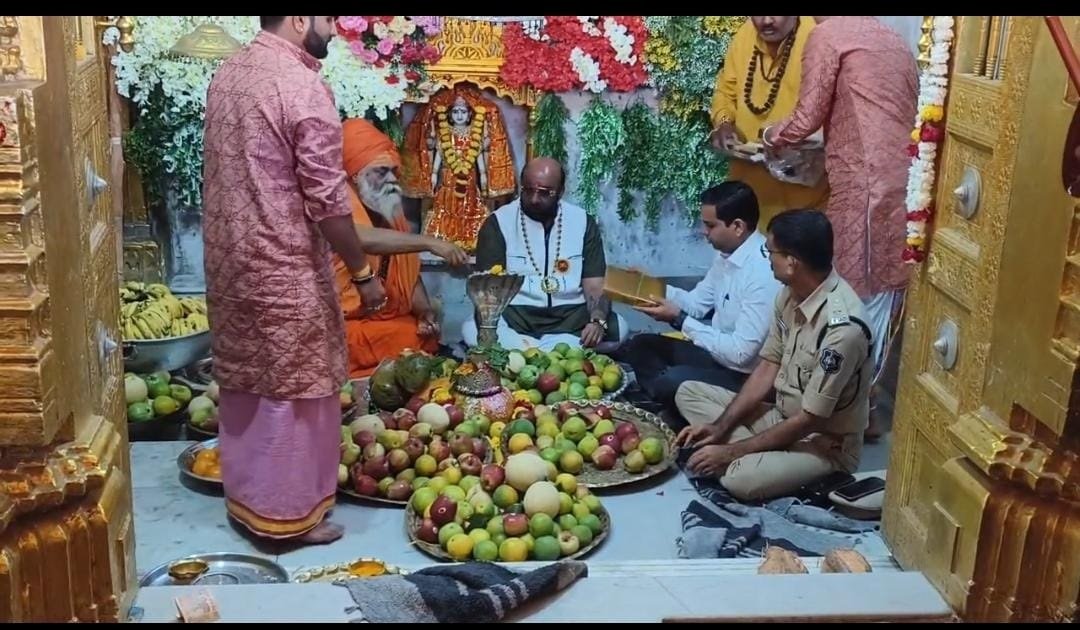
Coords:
729,105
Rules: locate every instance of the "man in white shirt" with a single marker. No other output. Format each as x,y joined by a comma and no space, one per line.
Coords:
739,289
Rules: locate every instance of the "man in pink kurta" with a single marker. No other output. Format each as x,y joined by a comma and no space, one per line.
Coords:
861,83
275,205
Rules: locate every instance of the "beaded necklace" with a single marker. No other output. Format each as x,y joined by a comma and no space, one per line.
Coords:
779,68
549,284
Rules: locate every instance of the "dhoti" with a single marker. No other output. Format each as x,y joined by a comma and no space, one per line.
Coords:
279,461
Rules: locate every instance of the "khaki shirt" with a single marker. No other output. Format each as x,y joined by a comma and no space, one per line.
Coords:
831,379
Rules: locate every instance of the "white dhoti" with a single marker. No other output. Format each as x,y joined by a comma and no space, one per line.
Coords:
880,311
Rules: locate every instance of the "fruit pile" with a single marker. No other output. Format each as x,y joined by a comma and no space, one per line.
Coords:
568,436
525,511
408,374
208,463
391,455
151,311
153,396
565,373
203,410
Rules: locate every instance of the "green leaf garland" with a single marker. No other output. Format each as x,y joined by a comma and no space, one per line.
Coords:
547,130
601,134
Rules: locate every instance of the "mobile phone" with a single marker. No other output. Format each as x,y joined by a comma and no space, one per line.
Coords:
862,488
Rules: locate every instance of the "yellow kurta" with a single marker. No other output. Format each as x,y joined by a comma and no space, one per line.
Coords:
729,105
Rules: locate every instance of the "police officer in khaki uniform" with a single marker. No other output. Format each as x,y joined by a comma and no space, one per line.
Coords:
817,356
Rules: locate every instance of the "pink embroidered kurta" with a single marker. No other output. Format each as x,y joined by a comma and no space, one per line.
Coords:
860,82
273,170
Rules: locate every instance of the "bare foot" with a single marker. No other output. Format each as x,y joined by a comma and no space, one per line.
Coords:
324,533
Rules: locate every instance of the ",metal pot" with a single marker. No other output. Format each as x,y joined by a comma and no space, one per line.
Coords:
153,355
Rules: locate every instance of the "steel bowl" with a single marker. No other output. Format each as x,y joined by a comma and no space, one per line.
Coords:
173,353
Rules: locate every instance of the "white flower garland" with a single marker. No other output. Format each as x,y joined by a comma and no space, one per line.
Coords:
926,136
621,41
588,70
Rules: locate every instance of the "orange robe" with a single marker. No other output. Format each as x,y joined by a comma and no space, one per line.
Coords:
386,333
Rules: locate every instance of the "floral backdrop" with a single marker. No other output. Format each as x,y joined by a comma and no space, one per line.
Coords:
665,64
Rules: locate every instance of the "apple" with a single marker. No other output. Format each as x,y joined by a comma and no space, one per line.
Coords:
480,447
399,490
624,429
420,430
492,476
373,450
634,462
349,453
443,510
612,441
366,485
398,460
405,419
415,448
604,412
567,410
439,449
377,467
457,416
588,368
449,462
515,524
428,531
547,383
384,485
363,438
604,457
630,443
461,444
568,543
470,464
389,422
524,412
414,404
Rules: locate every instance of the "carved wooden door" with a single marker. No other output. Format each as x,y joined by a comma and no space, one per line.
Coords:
984,481
67,546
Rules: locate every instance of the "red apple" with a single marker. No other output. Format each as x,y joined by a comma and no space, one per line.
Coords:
444,509
399,490
363,438
624,429
428,531
405,419
524,412
439,449
514,524
491,477
373,450
479,448
588,367
567,410
366,486
457,416
604,412
604,457
547,383
415,448
391,424
611,440
398,460
470,464
415,403
377,467
461,444
630,443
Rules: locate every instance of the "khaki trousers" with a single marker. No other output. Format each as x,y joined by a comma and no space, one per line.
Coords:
758,476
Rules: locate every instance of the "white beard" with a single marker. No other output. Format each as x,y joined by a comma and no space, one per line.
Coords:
386,201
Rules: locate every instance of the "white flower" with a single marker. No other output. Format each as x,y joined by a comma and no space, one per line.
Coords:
588,70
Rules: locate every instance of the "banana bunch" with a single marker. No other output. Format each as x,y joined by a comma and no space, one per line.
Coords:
151,311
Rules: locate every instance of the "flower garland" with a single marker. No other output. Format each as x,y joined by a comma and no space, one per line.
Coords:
165,143
568,52
928,133
460,165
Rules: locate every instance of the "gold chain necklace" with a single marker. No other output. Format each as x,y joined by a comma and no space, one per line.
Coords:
549,284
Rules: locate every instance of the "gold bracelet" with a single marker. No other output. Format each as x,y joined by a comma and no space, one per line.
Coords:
362,275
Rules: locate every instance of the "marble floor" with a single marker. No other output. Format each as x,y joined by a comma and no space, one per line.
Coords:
174,518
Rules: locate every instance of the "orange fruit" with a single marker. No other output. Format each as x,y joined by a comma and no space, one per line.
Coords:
214,472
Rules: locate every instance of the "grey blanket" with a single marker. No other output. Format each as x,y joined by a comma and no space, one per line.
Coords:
718,526
476,592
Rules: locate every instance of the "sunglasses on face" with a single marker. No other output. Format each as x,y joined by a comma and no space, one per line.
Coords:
539,191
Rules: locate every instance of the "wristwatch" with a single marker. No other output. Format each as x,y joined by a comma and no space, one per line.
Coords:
599,322
679,320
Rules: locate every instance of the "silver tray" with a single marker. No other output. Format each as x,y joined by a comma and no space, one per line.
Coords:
186,459
224,568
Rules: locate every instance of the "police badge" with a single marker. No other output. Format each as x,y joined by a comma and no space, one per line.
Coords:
831,360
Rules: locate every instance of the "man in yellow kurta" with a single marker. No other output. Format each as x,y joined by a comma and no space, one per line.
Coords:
759,85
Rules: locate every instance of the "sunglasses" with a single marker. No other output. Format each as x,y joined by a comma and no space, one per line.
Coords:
538,191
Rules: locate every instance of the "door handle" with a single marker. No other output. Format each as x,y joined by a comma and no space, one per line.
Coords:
95,185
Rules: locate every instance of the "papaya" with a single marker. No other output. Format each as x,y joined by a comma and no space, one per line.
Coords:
412,372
